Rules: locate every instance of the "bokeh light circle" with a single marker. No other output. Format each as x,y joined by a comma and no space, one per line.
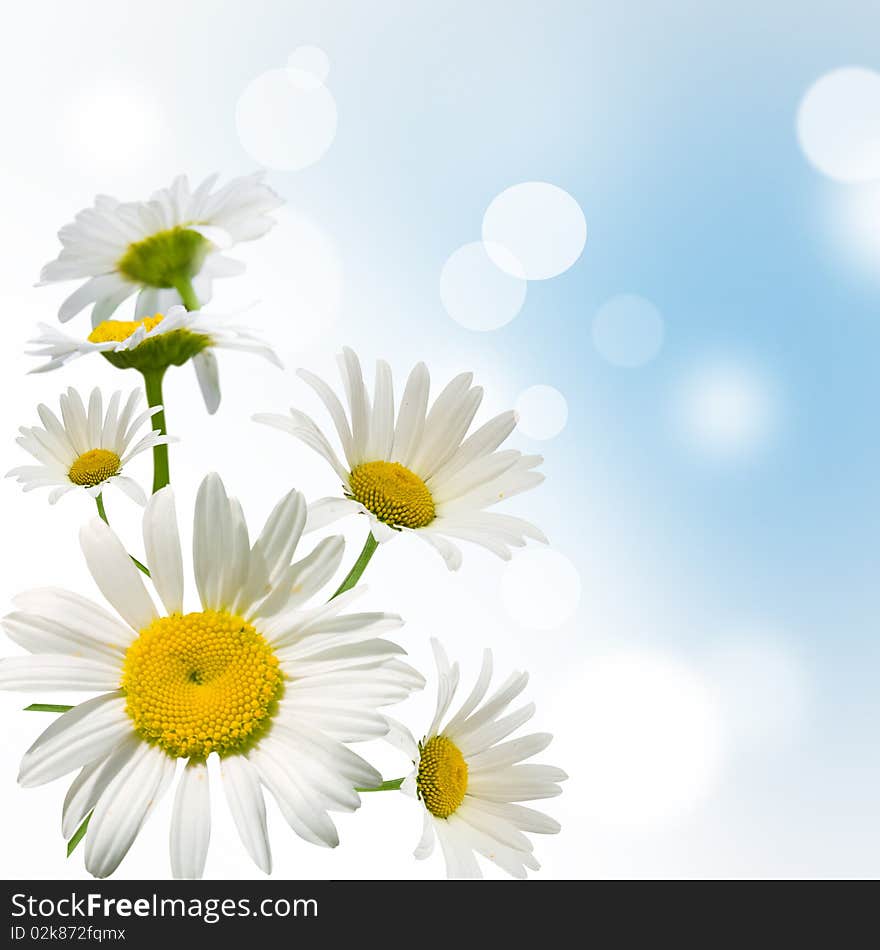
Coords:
540,589
838,124
310,59
761,688
628,331
540,225
652,738
475,293
286,119
543,412
113,124
726,410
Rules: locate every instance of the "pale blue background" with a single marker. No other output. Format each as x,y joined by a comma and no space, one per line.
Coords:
672,124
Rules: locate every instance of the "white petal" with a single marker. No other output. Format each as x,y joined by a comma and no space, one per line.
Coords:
245,797
381,436
85,733
425,847
49,672
317,568
450,552
401,738
162,544
279,538
509,753
130,487
208,375
124,807
460,860
325,511
191,822
302,810
89,785
411,415
475,696
115,574
211,534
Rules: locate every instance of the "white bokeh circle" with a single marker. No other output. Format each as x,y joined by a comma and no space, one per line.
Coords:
726,410
113,124
838,124
652,738
475,293
542,411
540,589
761,688
286,119
310,59
628,331
542,228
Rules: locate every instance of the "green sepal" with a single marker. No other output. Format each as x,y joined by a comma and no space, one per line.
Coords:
157,353
164,259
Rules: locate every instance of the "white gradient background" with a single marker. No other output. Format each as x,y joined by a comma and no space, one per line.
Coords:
714,696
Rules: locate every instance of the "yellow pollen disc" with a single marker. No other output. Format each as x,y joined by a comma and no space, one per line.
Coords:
443,776
393,493
93,467
200,683
118,331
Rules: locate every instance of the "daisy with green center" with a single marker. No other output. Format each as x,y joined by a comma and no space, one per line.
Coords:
154,343
167,249
273,688
470,782
87,448
420,472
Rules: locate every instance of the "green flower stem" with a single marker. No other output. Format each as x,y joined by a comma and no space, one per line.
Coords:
47,707
153,385
79,834
183,285
387,786
99,501
354,575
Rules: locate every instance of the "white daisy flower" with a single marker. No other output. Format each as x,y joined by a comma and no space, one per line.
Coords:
274,689
154,343
422,473
158,247
87,448
469,782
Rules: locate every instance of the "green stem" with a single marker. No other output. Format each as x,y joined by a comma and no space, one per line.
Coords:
183,285
79,834
47,707
153,385
99,501
386,786
354,575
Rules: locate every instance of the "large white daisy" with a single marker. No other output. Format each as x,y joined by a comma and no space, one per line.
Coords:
154,247
275,689
422,472
153,343
469,782
87,449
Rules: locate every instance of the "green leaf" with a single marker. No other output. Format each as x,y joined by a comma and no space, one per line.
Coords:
46,707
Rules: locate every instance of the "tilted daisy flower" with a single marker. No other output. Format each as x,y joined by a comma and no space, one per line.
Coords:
273,687
422,472
87,448
154,343
159,247
469,782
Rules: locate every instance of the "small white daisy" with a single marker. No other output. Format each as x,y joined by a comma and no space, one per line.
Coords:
422,473
153,246
469,782
86,448
274,689
156,342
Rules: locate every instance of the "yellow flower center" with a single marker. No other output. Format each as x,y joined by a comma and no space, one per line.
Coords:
200,683
93,467
393,493
443,776
118,331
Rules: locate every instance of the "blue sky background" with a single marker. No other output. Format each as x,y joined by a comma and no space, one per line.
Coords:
673,126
